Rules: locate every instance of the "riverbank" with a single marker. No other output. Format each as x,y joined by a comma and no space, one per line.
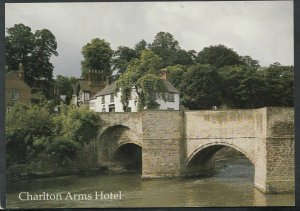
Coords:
48,167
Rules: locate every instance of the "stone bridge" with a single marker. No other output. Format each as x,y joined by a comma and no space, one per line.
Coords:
183,143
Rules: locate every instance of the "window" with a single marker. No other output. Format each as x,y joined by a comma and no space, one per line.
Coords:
8,109
86,96
111,98
103,99
14,94
103,110
111,108
170,97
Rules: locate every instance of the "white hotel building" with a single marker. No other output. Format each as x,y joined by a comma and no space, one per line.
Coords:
108,101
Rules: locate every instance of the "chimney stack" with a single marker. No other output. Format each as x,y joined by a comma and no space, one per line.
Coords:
164,74
108,80
21,71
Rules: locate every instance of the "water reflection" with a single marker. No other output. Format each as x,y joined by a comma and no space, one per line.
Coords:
232,185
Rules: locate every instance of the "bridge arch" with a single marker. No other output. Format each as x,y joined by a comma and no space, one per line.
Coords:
201,162
112,139
216,147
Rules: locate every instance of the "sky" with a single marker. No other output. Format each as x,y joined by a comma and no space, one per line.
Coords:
262,30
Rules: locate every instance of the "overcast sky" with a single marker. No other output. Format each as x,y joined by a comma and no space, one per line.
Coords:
262,30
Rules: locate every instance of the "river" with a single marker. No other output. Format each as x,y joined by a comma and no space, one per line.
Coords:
232,185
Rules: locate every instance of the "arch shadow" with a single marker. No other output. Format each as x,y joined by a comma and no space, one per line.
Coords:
201,162
129,156
112,138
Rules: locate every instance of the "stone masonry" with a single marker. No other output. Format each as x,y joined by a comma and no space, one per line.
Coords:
183,143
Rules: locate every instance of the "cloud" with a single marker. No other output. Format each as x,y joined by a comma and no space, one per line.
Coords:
263,30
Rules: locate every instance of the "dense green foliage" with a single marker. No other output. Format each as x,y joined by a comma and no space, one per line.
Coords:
142,75
238,86
63,86
218,56
140,46
166,47
241,87
216,76
122,56
279,83
199,85
34,51
97,55
35,129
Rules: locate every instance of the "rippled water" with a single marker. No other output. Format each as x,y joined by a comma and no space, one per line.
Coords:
232,185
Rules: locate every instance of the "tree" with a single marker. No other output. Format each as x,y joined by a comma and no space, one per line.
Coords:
241,87
122,56
76,124
279,85
24,125
176,73
142,75
248,61
183,57
19,44
199,87
97,55
218,56
193,55
64,87
166,47
34,51
140,46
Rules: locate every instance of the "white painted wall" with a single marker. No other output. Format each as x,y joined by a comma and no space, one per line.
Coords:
169,105
97,105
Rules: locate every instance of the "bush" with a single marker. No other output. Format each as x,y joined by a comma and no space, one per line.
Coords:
62,148
36,129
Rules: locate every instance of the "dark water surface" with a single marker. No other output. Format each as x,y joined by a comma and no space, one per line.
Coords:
232,185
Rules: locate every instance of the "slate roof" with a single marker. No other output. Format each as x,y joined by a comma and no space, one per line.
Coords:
84,85
170,87
109,89
15,74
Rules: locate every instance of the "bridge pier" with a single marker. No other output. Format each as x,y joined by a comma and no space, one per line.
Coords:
275,155
163,148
